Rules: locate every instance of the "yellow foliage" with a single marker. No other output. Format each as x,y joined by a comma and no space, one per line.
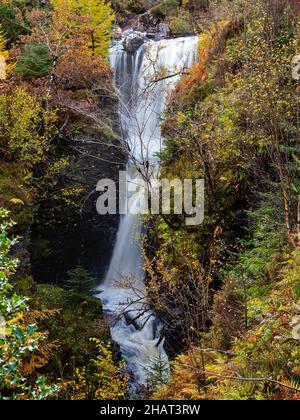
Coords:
21,116
105,381
92,19
34,316
3,58
17,201
38,360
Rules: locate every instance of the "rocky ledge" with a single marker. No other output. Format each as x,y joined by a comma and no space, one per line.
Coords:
132,40
142,28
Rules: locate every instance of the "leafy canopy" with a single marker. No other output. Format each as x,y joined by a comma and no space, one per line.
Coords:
93,19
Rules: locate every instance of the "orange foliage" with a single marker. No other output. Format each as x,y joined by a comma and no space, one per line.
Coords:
40,358
78,69
209,42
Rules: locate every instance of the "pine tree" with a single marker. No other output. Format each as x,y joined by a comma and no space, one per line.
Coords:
80,280
34,62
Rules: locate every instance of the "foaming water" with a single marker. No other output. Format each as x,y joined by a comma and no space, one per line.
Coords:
143,83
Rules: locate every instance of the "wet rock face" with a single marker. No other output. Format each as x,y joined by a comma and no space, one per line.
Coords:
133,41
164,30
142,27
146,23
78,235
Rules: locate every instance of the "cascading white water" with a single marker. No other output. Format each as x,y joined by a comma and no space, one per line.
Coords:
143,83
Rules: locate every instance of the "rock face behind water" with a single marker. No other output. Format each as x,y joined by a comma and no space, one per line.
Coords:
133,41
146,23
164,30
144,26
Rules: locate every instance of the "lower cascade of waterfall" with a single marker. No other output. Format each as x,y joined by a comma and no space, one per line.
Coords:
141,82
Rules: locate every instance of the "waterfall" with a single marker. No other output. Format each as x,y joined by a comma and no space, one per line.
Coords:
142,103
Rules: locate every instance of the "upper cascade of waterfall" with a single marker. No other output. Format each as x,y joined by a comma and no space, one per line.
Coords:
144,80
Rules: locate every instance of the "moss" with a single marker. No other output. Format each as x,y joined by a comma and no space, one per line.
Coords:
25,286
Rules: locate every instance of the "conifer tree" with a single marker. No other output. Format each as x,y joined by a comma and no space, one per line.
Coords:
80,280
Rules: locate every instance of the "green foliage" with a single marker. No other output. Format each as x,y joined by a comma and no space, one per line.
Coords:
88,365
157,376
170,4
80,280
234,121
180,23
266,245
14,18
133,6
34,62
177,17
27,127
263,362
10,23
258,261
79,318
17,340
102,380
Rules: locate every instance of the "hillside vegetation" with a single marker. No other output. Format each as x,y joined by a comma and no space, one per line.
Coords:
231,286
54,342
228,291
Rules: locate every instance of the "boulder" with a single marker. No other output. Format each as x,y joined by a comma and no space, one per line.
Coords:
117,34
164,30
145,22
133,41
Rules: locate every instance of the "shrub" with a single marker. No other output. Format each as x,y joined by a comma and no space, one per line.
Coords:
181,23
9,21
26,127
79,318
